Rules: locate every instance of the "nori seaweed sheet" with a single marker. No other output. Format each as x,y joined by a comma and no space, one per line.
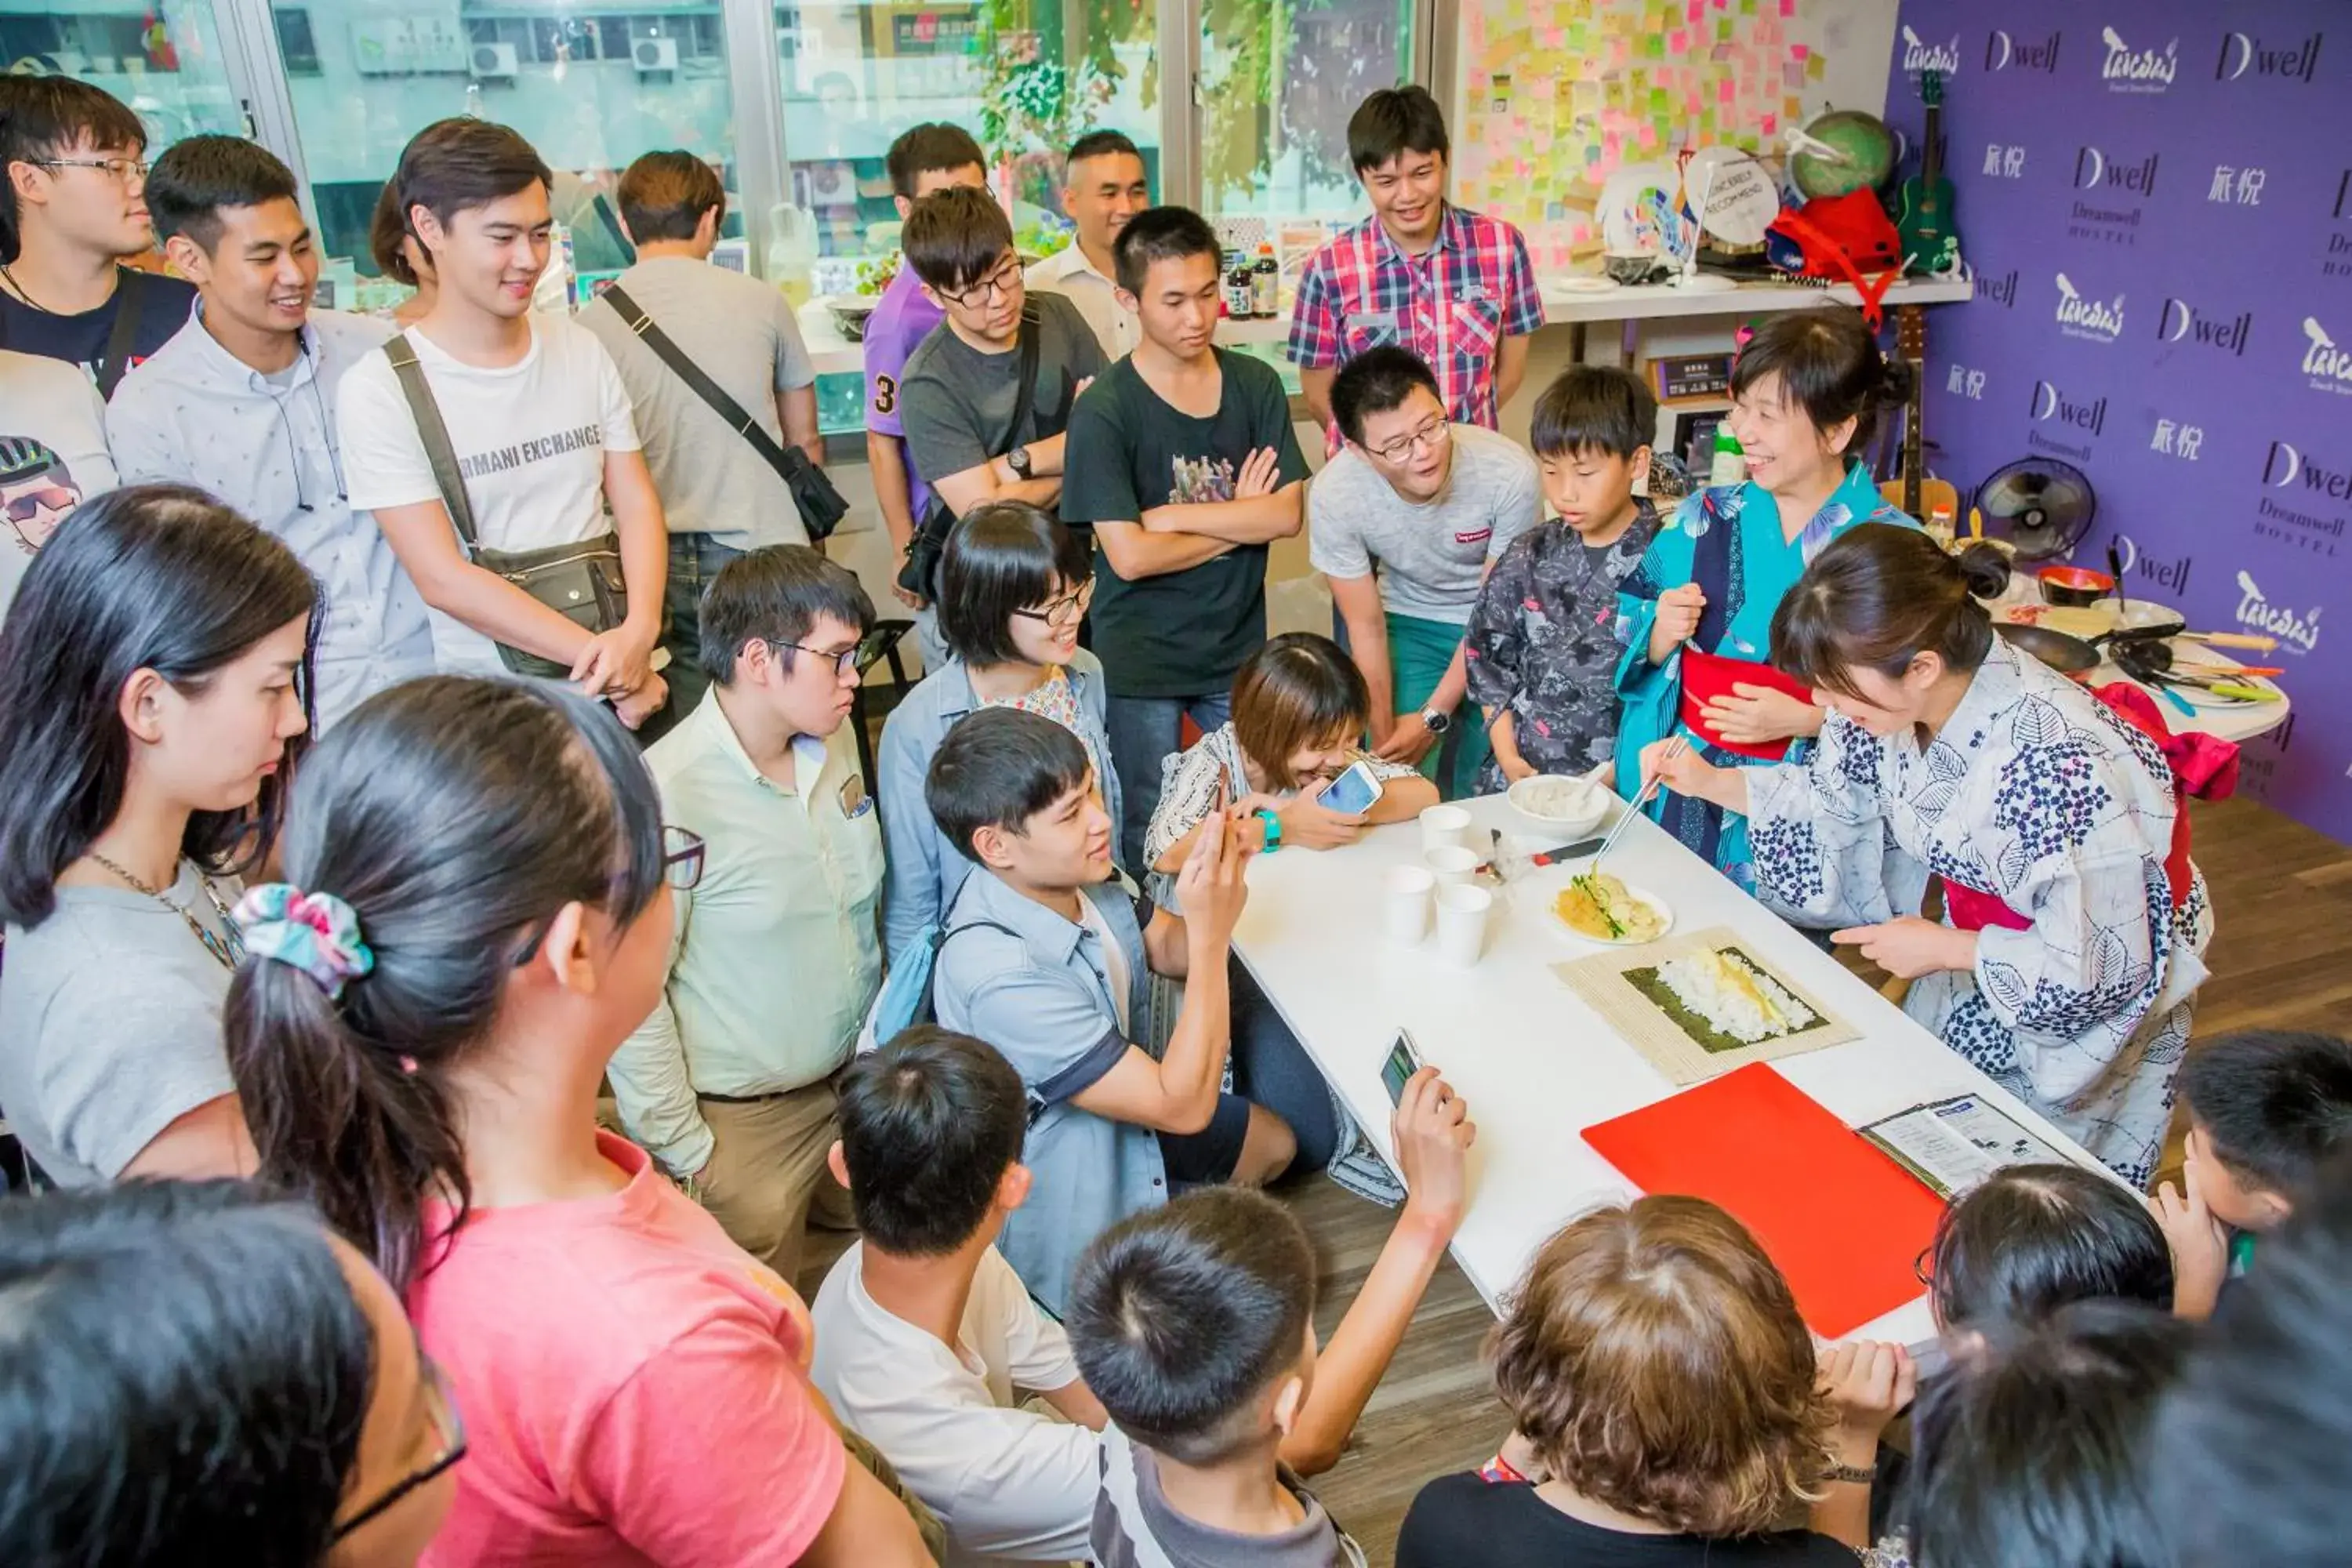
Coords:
1709,1038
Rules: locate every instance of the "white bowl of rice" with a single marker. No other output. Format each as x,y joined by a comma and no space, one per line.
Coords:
1562,804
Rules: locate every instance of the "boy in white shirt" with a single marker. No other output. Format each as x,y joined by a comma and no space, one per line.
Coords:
538,419
924,1336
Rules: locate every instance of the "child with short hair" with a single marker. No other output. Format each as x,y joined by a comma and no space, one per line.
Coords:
2029,1239
1543,642
2266,1110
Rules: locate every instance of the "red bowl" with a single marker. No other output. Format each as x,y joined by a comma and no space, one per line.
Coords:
2074,586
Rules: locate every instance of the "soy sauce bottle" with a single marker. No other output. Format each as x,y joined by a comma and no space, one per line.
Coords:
1237,287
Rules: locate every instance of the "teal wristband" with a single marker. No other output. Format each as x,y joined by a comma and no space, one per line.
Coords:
1273,829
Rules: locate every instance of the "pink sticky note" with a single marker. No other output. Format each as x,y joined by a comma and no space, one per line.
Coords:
1787,7
1771,124
1649,135
1679,40
1723,89
1799,51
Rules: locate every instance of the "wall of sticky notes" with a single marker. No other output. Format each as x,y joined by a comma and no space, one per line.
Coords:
1553,96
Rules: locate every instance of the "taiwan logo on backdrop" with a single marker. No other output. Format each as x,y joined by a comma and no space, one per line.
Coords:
2315,489
1918,55
2251,54
2006,51
2325,367
2092,320
2127,69
2181,321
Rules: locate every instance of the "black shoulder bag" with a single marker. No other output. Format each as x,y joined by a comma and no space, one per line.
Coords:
129,284
820,505
583,582
921,571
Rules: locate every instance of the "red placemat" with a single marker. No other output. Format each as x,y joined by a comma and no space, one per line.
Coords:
1844,1223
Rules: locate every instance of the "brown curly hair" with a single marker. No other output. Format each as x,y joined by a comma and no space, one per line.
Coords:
1654,1359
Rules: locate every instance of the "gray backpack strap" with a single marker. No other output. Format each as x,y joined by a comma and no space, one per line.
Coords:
433,432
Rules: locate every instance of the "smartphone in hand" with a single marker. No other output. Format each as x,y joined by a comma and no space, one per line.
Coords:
1402,1062
1353,793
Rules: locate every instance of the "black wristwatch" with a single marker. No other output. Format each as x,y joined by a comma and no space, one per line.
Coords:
1435,720
1017,460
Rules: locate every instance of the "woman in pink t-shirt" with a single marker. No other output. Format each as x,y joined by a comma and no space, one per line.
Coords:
478,912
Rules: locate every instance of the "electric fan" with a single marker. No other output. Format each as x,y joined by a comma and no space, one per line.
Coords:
2042,506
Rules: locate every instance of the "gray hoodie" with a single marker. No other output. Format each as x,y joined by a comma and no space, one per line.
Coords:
1135,1528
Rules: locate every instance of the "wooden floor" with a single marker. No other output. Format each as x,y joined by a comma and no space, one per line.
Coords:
2282,958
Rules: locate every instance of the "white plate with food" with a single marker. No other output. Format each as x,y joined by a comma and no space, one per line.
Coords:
1597,907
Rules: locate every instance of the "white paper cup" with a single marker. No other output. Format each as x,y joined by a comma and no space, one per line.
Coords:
1405,910
1462,912
1451,863
1441,825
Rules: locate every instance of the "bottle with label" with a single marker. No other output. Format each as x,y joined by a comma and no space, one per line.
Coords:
1266,283
1238,291
1728,467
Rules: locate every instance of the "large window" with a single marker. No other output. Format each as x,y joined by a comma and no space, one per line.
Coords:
163,59
1278,81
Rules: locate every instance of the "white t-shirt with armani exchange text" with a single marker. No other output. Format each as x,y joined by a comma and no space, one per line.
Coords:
530,439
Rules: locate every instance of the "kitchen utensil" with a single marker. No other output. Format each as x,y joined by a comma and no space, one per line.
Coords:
1649,792
2074,587
2115,570
2231,639
2165,691
2070,657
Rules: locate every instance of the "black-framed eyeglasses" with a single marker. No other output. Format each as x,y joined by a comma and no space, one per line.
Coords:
448,1427
1923,1266
683,853
1000,282
1066,611
1432,434
124,169
844,661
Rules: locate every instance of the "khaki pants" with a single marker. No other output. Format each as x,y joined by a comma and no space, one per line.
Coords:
767,1178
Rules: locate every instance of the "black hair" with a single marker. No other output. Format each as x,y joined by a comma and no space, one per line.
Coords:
1879,595
158,577
2252,1441
775,595
456,816
1829,366
932,146
457,164
1003,556
2036,1443
196,177
955,238
2275,1104
45,116
929,1124
2031,1238
1159,234
1099,144
1376,381
663,195
1182,1317
1593,408
1394,122
387,236
184,1373
998,768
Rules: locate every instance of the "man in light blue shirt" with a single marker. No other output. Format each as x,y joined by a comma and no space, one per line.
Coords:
241,403
1049,958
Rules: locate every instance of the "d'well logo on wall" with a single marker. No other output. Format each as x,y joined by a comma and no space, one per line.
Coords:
2115,218
2050,406
2286,467
2181,321
2129,70
2090,320
2171,574
2244,54
2005,51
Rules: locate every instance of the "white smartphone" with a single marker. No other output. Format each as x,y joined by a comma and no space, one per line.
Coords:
1353,793
1402,1062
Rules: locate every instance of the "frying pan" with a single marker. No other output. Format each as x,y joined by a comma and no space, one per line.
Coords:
2070,657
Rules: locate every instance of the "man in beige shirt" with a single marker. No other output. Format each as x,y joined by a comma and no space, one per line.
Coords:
776,955
1103,185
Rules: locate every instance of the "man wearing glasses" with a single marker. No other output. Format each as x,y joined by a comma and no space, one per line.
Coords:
1433,505
73,210
973,437
776,955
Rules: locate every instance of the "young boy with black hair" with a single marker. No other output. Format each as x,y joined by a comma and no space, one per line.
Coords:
1542,646
2267,1109
925,1337
1183,461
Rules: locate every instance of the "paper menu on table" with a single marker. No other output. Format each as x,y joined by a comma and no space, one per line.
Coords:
1953,1145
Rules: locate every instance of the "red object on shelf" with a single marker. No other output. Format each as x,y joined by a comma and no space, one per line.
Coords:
1845,1224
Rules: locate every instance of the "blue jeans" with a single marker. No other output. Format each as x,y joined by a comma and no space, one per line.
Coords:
1144,731
694,560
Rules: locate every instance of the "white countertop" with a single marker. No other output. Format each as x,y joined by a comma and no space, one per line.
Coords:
1535,1062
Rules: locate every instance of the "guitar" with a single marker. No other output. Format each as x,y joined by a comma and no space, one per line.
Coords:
1915,490
1923,208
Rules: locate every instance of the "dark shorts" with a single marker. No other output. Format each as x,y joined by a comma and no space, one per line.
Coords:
1209,1156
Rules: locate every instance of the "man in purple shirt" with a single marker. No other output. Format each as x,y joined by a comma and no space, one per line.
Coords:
925,158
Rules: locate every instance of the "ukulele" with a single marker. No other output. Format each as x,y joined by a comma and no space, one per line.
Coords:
1923,208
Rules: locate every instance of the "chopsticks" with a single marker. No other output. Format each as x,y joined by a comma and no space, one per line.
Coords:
1649,792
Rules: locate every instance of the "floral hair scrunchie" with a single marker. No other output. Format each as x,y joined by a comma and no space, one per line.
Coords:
317,934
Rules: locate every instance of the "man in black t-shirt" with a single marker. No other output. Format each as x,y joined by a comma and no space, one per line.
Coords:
73,181
1183,458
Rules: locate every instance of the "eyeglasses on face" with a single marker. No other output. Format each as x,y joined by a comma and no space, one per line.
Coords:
998,284
1066,611
448,1447
843,661
124,169
1432,434
683,853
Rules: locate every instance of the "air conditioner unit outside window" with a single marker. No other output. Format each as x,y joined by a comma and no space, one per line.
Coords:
655,54
494,62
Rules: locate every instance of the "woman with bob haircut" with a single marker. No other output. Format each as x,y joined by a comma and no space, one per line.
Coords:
1013,588
154,694
1696,616
1672,1405
2075,921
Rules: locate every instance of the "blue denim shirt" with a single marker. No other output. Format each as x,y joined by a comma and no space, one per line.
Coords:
926,868
1040,994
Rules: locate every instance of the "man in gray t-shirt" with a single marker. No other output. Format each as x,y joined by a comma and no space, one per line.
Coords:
1433,505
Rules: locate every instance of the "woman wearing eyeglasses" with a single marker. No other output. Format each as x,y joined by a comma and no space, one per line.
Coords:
211,1378
476,912
1013,587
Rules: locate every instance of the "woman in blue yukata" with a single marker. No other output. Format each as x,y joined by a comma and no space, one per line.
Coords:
2075,921
1696,616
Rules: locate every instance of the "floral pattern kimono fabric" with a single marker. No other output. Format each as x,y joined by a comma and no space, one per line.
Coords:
2038,795
1729,541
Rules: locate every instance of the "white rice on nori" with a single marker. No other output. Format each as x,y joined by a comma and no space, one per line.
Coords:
1734,997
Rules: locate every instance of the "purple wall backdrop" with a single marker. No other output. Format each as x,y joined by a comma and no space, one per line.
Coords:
2155,197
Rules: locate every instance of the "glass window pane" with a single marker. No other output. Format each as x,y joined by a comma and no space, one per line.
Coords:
1278,81
590,89
163,59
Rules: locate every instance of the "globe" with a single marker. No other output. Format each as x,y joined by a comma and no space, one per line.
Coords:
1865,154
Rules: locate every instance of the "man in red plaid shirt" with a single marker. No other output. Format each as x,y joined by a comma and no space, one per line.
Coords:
1453,287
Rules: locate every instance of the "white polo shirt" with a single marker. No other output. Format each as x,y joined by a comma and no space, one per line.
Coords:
1068,273
1009,1484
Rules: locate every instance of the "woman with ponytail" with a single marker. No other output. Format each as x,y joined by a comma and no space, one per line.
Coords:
2075,923
1696,616
154,691
476,912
